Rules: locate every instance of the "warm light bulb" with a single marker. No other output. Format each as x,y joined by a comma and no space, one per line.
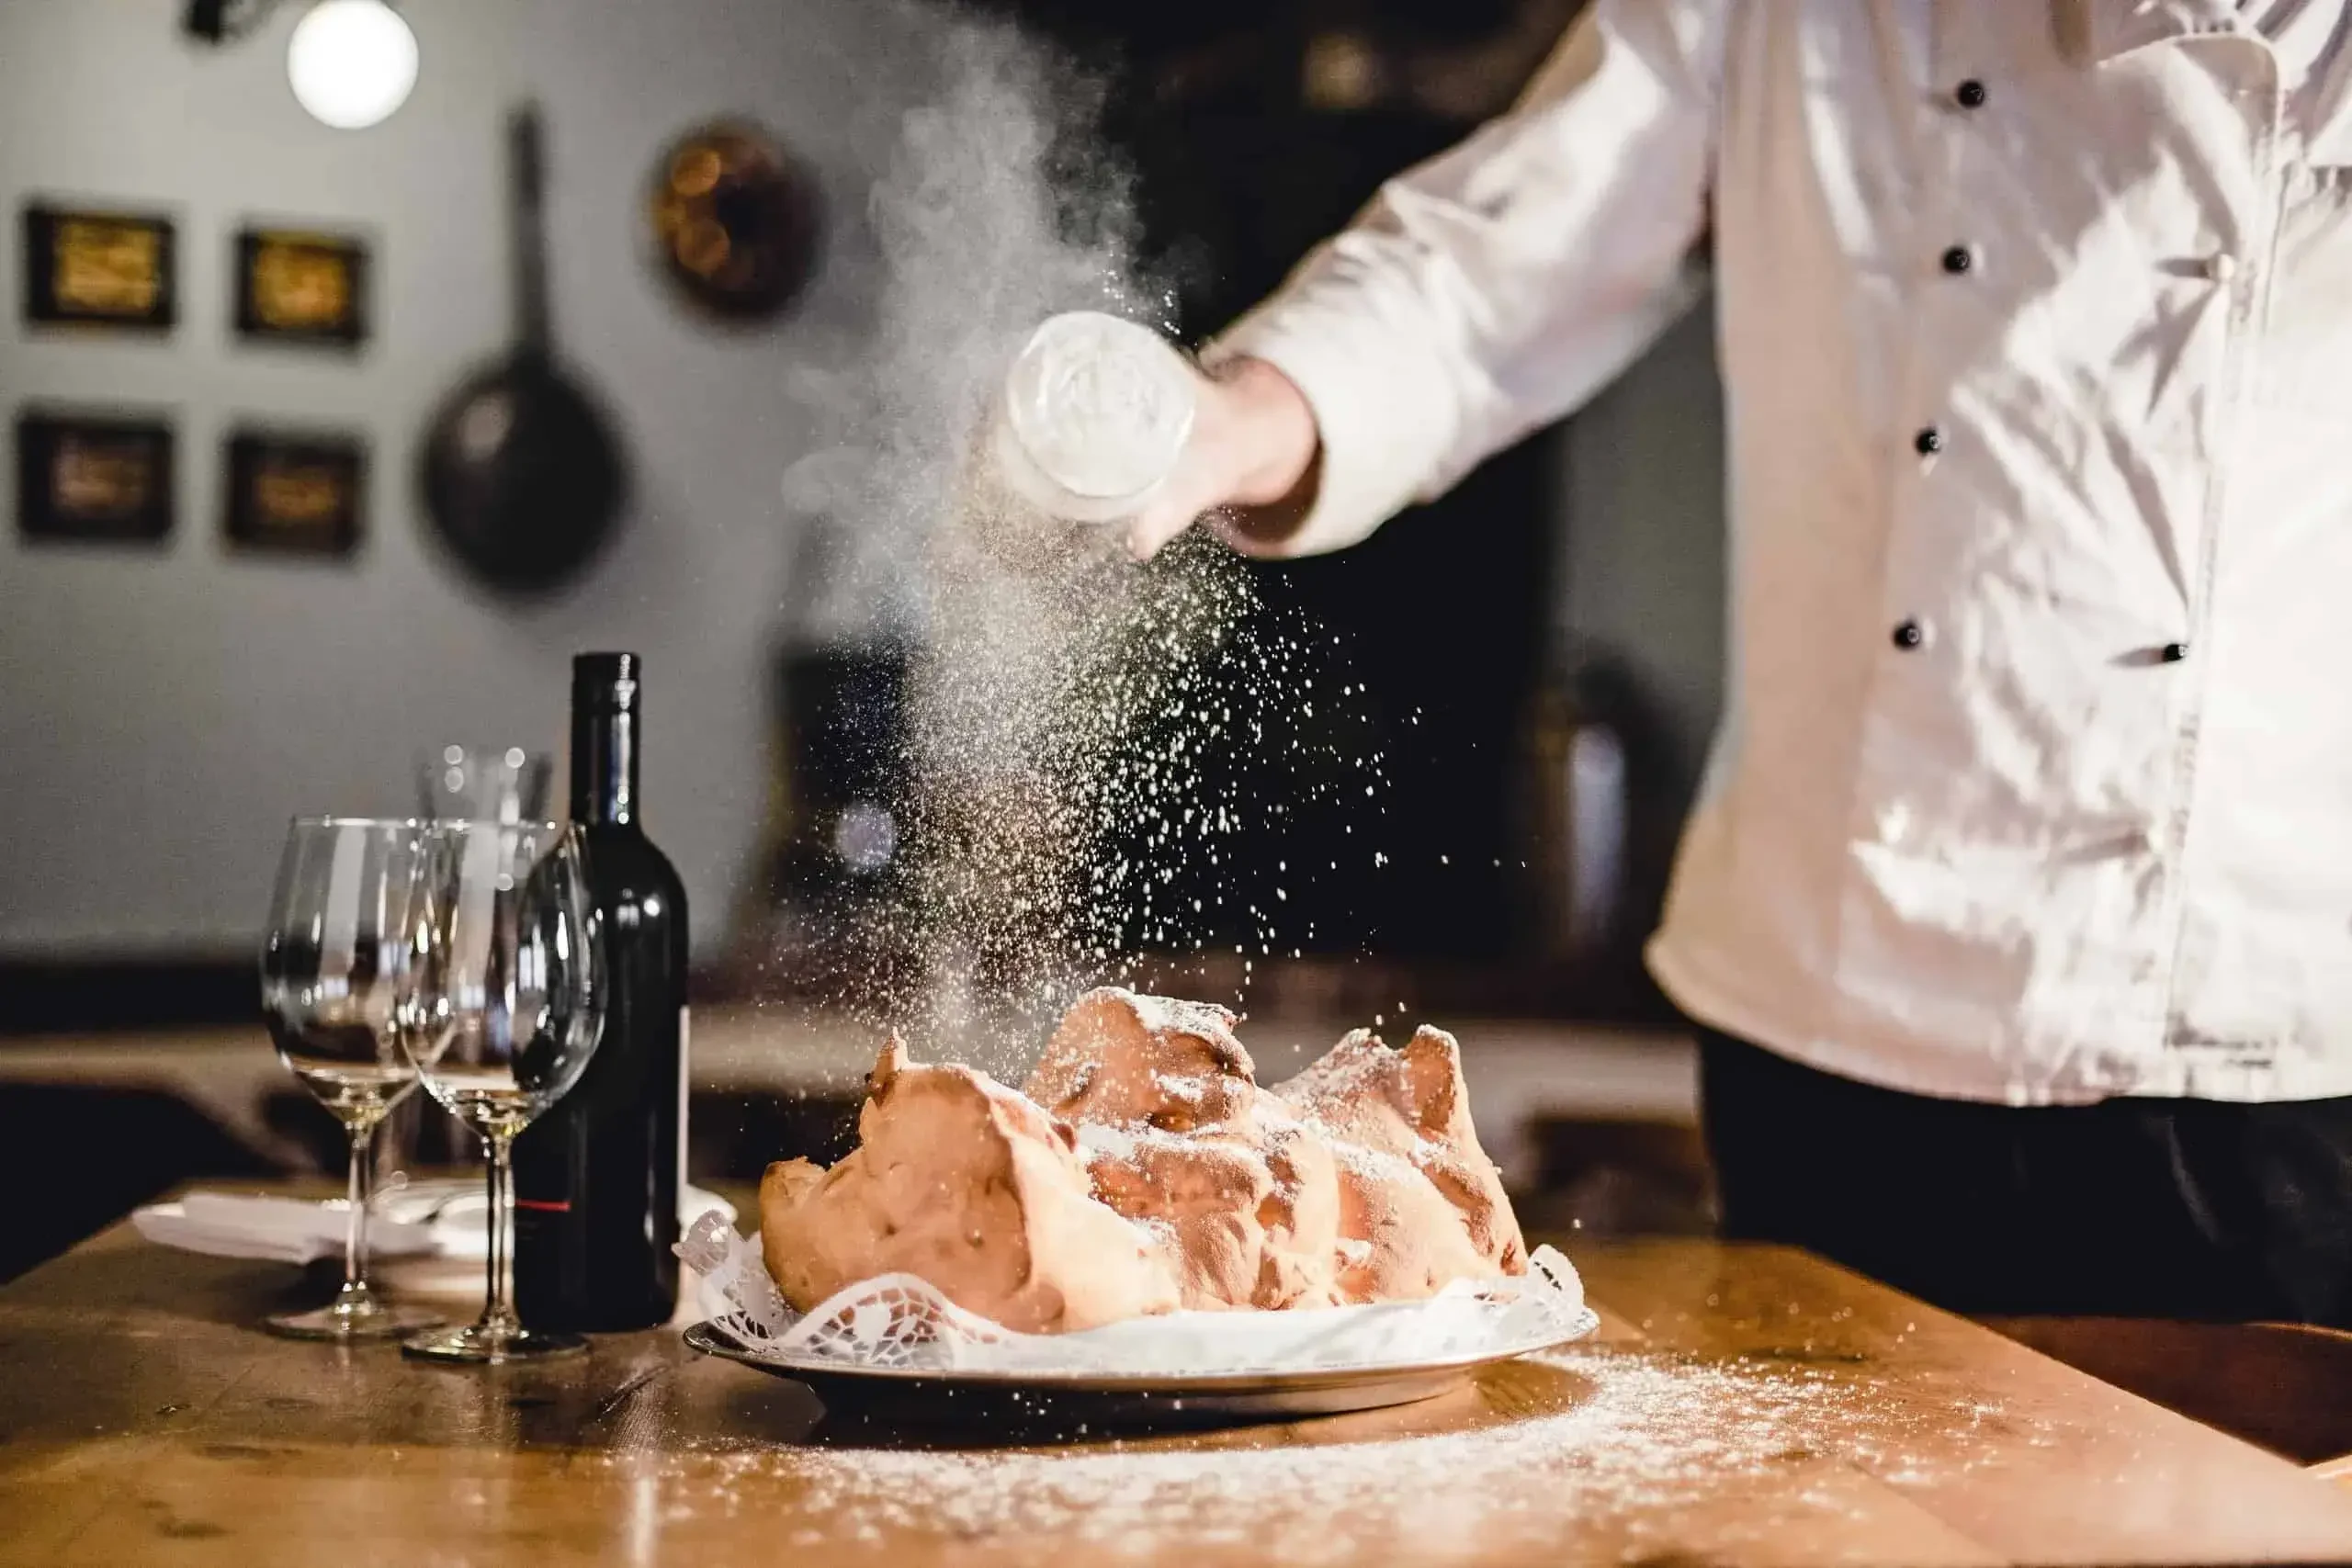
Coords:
352,63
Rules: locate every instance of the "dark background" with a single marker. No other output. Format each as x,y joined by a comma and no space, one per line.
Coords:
1255,131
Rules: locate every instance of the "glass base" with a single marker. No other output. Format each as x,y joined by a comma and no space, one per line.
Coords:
489,1344
354,1318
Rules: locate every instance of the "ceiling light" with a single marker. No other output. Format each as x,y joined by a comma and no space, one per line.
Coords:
352,63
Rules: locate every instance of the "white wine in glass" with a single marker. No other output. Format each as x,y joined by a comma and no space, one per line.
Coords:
504,1006
333,967
360,1098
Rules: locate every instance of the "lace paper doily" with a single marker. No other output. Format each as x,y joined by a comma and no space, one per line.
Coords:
898,1321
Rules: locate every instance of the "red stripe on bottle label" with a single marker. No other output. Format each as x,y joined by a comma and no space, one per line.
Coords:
562,1206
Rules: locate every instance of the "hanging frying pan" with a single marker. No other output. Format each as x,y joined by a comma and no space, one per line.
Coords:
523,479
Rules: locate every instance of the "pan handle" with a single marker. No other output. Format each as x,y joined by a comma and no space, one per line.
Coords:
526,195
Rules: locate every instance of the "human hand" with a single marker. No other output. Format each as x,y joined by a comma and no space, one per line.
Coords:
1250,462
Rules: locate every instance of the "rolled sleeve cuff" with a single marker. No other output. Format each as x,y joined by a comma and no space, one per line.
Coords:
1382,423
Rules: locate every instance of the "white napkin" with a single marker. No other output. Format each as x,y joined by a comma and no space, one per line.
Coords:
279,1230
414,1218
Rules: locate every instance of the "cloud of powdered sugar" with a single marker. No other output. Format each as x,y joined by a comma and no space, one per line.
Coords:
1063,698
999,204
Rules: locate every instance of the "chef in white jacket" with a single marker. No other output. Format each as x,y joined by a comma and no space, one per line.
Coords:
2017,907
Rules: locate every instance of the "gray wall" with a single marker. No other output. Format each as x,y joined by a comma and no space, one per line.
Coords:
163,712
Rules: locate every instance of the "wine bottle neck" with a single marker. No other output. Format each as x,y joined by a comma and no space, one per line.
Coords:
604,738
603,768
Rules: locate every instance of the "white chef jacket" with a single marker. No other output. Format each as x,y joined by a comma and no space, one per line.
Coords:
2036,322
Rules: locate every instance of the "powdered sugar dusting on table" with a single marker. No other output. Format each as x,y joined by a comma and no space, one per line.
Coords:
1640,1437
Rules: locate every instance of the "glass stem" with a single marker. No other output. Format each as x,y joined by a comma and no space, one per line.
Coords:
498,1315
358,1189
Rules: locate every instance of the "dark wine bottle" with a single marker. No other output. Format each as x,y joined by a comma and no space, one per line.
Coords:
596,1178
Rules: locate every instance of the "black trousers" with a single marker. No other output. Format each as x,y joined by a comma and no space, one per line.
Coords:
2172,1208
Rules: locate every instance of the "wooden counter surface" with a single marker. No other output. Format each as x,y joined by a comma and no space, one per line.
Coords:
1740,1404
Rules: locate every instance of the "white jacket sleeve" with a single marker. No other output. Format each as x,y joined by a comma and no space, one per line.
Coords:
1497,287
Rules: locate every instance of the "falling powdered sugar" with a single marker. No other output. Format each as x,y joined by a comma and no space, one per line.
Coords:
1074,724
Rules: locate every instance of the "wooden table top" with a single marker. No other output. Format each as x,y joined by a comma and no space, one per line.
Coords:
1740,1404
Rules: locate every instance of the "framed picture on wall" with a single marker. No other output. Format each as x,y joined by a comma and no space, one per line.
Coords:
97,475
87,267
294,492
299,286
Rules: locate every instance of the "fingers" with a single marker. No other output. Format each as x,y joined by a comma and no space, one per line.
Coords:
1199,483
1150,531
1250,417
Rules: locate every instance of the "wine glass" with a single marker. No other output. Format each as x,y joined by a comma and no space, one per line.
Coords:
331,967
503,1009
